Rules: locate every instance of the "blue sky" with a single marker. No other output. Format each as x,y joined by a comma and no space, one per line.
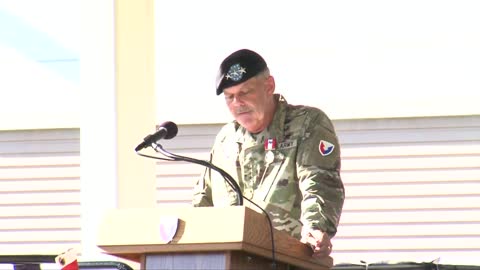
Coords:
39,63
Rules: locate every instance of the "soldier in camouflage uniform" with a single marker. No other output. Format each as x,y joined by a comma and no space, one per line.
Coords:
285,158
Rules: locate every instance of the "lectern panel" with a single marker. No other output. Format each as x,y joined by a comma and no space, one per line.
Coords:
187,261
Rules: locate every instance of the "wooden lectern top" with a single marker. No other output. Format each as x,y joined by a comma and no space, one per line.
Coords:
129,233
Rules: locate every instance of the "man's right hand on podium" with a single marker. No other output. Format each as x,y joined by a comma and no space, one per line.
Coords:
319,242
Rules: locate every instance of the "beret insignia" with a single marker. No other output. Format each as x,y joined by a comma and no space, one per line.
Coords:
235,72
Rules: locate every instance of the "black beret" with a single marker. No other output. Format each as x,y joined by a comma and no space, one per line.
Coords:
238,67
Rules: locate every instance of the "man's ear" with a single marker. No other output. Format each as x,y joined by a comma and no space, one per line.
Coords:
270,83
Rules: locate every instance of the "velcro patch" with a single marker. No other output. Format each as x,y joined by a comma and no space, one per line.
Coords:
325,148
287,144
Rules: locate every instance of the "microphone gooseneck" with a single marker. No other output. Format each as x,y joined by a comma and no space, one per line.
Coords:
173,157
233,184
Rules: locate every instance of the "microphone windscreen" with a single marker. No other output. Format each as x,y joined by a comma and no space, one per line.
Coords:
171,128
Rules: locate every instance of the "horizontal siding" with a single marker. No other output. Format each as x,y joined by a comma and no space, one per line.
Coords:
412,162
58,185
30,223
413,190
39,191
40,235
39,211
383,230
438,175
44,247
404,217
176,179
412,187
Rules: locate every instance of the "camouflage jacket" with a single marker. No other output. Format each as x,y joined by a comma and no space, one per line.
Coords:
291,169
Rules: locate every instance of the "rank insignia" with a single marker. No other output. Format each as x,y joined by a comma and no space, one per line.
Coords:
235,72
325,148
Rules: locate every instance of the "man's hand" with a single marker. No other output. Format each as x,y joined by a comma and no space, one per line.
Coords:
319,242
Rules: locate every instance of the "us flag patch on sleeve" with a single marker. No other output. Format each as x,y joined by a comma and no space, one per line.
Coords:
325,148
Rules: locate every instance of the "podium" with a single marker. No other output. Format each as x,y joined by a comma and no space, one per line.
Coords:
234,237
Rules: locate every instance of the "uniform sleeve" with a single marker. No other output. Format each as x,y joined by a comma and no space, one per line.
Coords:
202,192
318,171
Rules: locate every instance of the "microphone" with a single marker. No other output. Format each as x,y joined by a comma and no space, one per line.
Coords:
167,130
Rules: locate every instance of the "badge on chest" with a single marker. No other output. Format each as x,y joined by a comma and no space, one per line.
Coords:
270,145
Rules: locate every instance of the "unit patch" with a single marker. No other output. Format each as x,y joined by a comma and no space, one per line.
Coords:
325,148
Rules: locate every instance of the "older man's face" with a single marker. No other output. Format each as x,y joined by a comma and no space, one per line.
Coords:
251,102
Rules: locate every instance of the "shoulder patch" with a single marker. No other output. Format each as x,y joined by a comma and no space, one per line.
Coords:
325,148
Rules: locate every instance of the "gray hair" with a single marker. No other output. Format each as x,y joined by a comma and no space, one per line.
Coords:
264,74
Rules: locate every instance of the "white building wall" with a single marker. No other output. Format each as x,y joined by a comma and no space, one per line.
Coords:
353,59
39,191
413,190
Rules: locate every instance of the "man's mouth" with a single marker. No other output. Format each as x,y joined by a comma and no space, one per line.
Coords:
242,111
